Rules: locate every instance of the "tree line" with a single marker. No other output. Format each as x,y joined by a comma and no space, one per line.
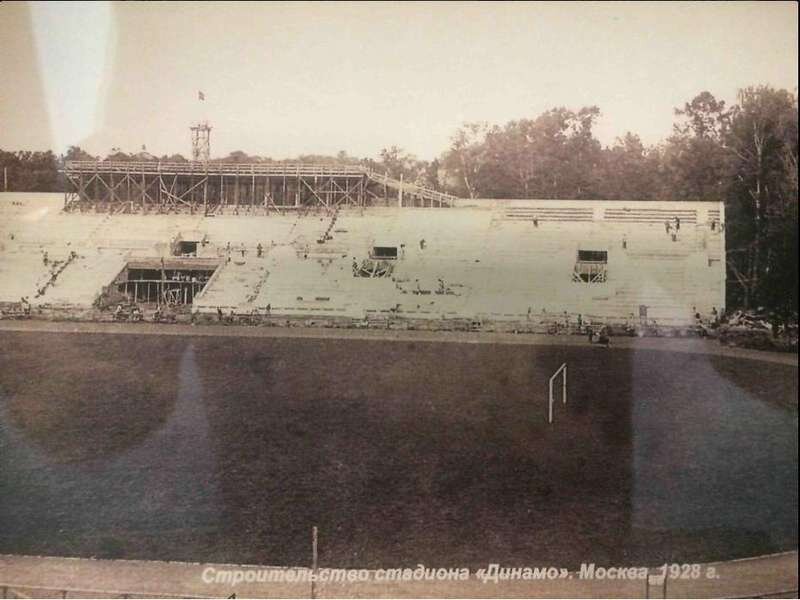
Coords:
744,155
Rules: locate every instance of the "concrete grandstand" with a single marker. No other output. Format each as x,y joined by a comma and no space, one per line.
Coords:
512,263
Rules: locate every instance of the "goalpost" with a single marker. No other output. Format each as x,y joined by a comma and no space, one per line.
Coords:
551,399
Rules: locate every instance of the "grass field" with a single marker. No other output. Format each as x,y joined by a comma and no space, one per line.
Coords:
230,449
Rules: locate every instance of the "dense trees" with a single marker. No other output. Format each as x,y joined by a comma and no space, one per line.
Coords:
760,143
629,170
77,153
693,161
554,155
466,163
744,155
25,171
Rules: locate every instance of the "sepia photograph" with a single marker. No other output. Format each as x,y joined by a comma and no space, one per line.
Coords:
399,299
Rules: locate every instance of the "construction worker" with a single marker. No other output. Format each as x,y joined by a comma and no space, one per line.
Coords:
603,337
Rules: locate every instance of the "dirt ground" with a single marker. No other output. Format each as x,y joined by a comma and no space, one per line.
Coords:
230,449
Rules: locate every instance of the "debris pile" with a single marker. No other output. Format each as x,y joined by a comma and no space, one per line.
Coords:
759,330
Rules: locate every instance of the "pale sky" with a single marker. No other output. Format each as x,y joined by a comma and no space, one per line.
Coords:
283,79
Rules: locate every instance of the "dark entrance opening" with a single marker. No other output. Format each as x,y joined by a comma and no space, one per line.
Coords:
184,248
590,267
598,256
384,252
172,282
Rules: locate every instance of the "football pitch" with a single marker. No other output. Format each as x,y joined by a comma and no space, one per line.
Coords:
227,449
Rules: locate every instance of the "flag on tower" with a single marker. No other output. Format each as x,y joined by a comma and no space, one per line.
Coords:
201,96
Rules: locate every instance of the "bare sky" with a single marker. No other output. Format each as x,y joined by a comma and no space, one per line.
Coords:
283,79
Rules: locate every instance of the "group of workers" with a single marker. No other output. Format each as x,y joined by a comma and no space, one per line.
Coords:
243,250
135,313
254,316
602,335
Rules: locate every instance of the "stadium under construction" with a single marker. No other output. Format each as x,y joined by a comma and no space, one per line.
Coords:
527,264
152,445
346,245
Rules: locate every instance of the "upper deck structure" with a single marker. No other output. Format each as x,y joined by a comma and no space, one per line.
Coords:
210,187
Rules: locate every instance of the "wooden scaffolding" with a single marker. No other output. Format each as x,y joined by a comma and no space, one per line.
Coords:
211,187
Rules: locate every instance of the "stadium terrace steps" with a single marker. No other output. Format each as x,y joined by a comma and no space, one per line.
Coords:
564,214
234,285
650,215
20,274
113,244
61,282
82,281
490,267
